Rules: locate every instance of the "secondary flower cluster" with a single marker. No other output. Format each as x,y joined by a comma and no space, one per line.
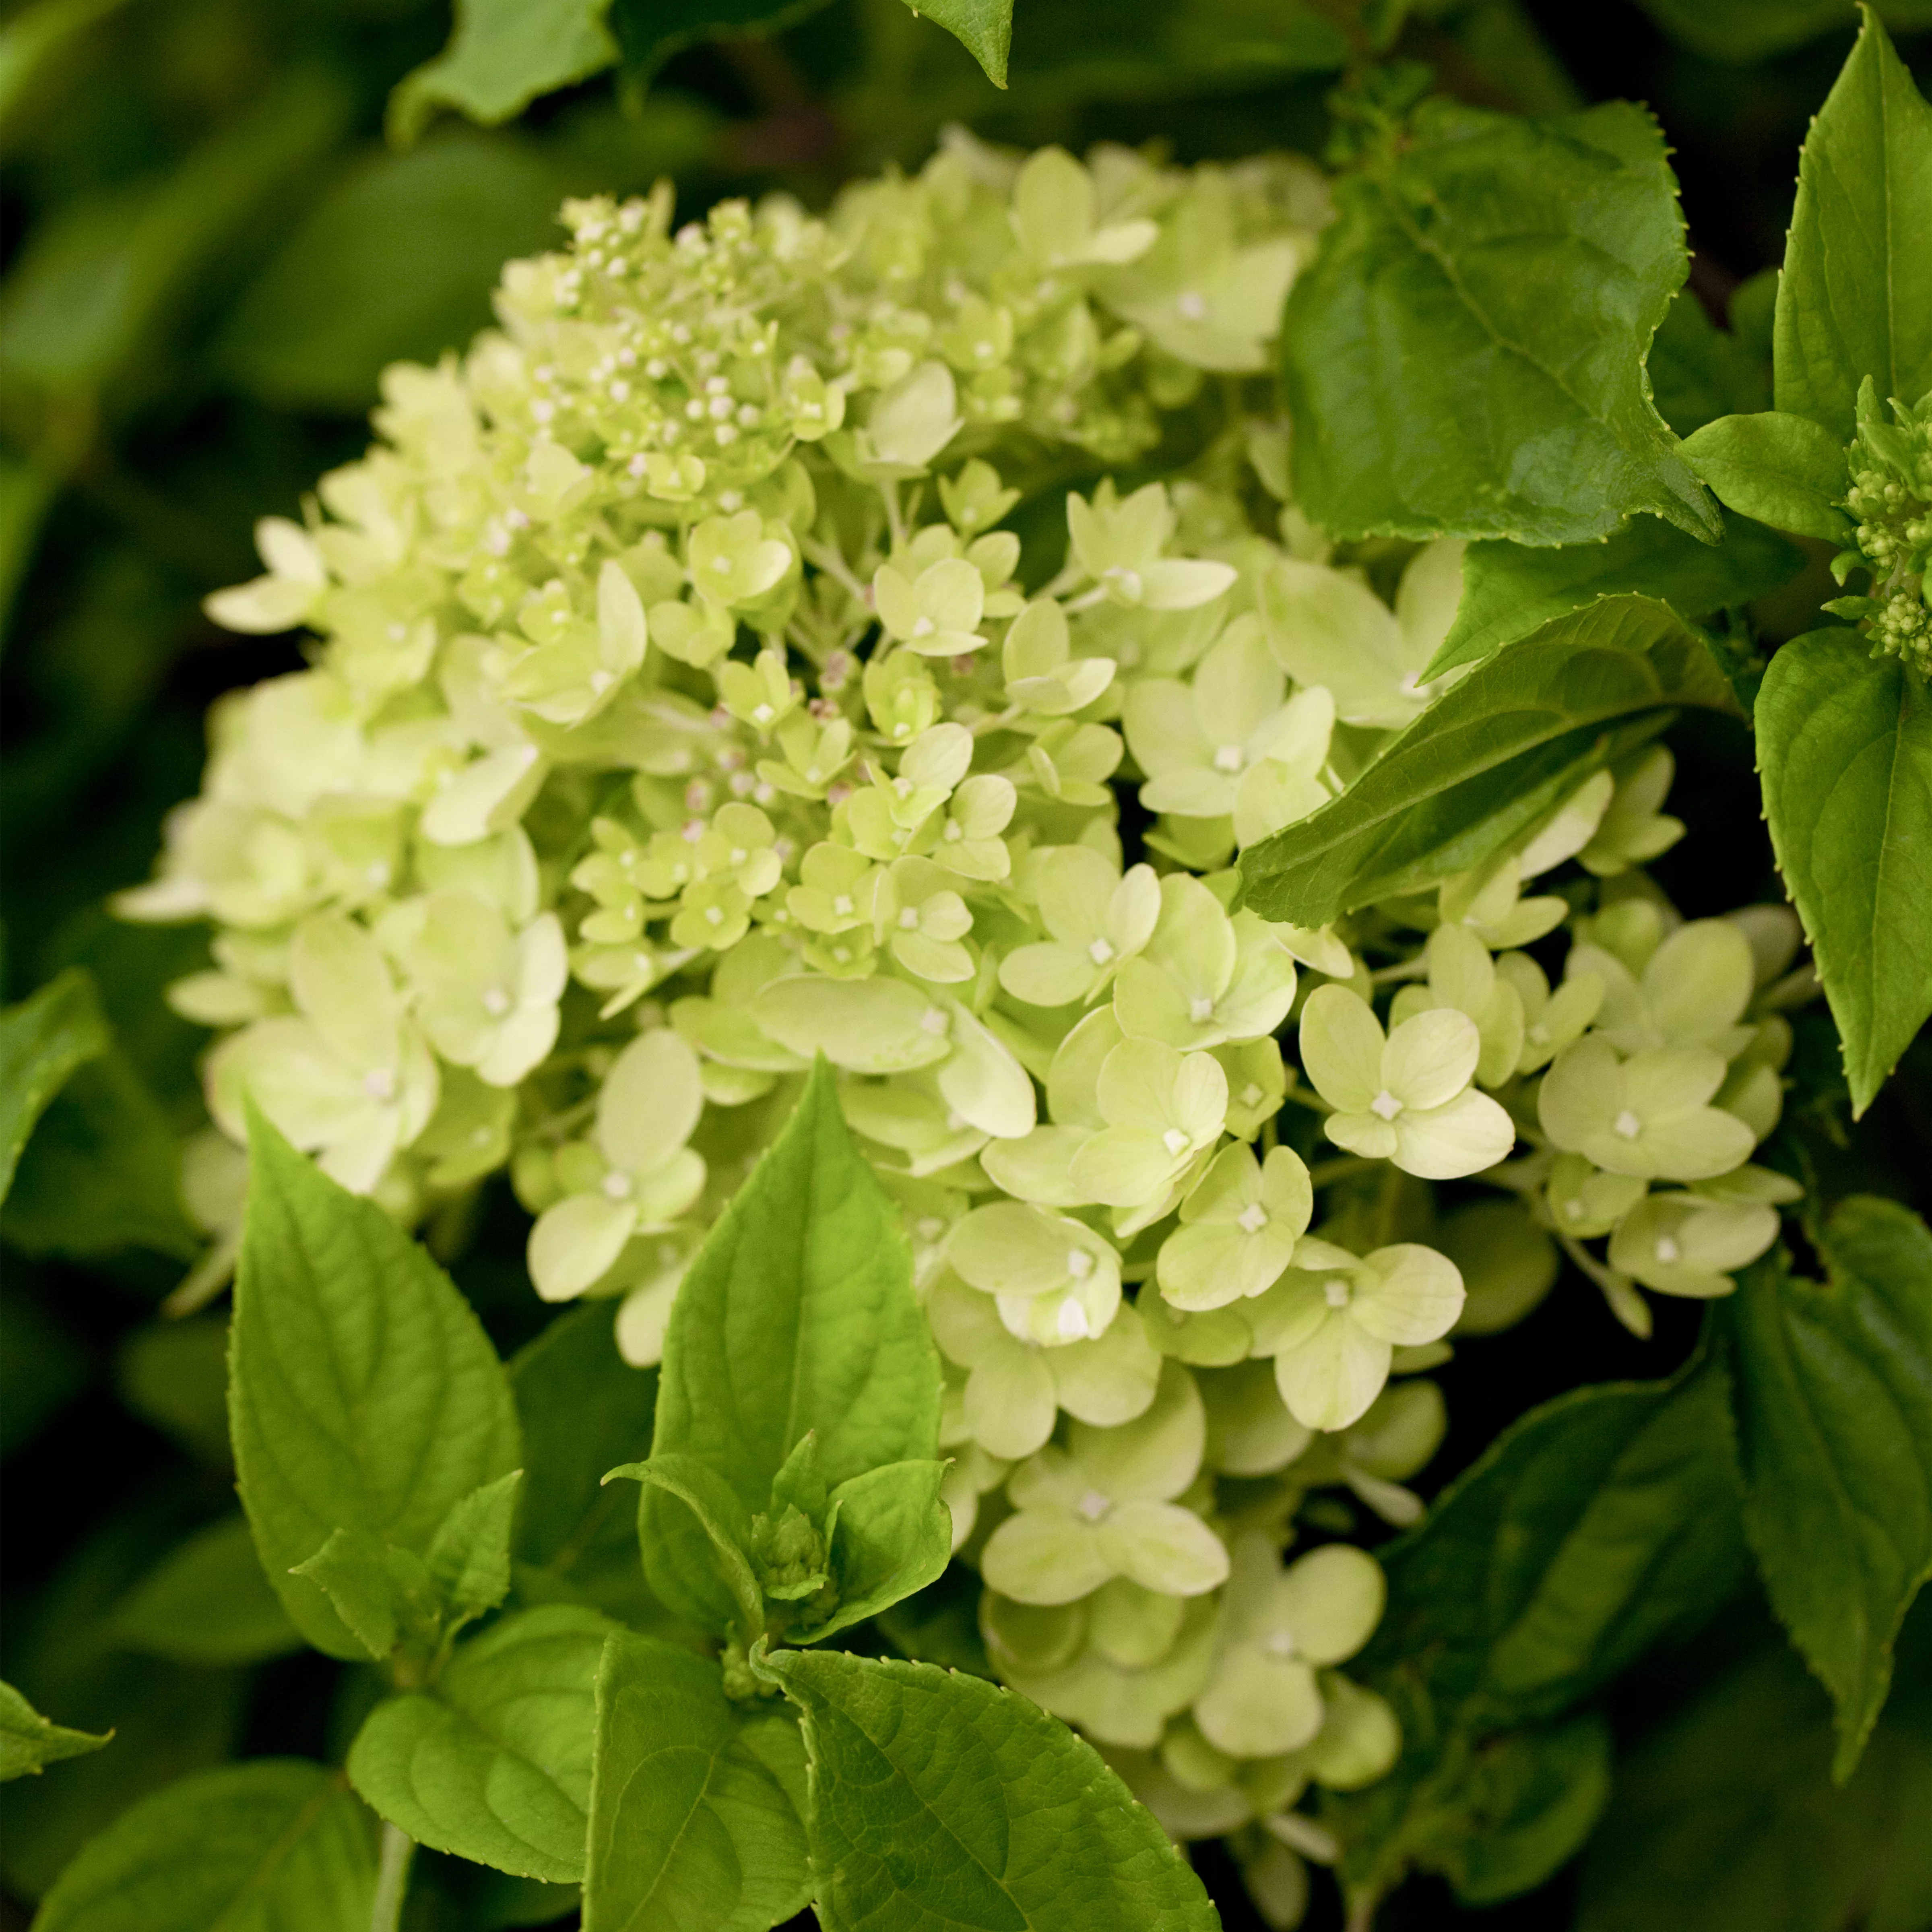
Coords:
682,711
1891,499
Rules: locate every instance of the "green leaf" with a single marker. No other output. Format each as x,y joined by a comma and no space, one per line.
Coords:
984,27
1785,470
1465,356
584,1409
1844,745
1855,297
696,1802
893,1536
1595,1526
363,1394
1740,32
725,1526
29,1741
35,36
1509,590
502,55
42,1041
469,1554
383,1594
207,1602
797,1314
1725,1819
1699,372
494,1763
649,31
174,1374
1488,760
395,262
941,1800
1833,1403
275,1842
102,1172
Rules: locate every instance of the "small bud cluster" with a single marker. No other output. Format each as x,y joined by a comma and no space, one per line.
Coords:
1890,497
682,712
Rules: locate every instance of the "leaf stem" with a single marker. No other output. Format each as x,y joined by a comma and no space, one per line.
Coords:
392,1879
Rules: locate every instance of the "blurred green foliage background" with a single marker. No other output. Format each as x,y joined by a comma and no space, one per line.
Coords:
210,251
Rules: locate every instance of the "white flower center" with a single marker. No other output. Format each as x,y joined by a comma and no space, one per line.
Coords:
909,918
1100,952
762,714
1540,1033
1227,758
1192,304
1280,1643
1200,1010
600,682
1094,1505
1174,1140
1385,1106
924,628
932,1021
1336,1293
496,1002
722,566
1071,1322
1628,1124
842,904
1253,1219
379,1083
1079,1264
619,1187
1667,1250
1573,1208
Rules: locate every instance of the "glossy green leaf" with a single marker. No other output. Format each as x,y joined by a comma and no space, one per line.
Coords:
1844,745
893,1536
364,1393
494,1763
1785,470
42,1040
984,27
583,1409
940,1800
1597,1525
697,1803
1833,1403
29,1741
797,1314
1465,356
1488,760
255,1847
1510,590
725,1592
395,262
1725,1818
207,1602
502,55
1855,297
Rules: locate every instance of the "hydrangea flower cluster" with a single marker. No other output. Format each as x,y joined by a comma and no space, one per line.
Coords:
1890,501
682,709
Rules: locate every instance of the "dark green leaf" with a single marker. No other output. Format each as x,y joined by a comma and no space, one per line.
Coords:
1834,1402
726,1590
364,1393
1725,1819
494,1763
1741,31
1844,744
797,1314
1787,471
893,1536
207,1602
42,1041
1856,298
1466,355
1508,590
395,262
42,1367
29,1741
696,1802
940,1800
584,1409
174,1374
503,55
1488,761
275,1842
1698,372
650,32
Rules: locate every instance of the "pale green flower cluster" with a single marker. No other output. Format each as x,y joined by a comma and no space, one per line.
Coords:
681,711
1890,501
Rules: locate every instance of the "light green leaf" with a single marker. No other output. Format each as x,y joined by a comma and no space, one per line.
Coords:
29,1741
727,1590
502,55
1488,760
984,27
1465,356
363,1392
798,1314
249,1848
494,1763
1855,297
1594,1526
938,1799
42,1040
207,1602
696,1802
1725,1819
469,1554
395,262
382,1593
893,1536
1844,745
1833,1403
1785,470
1509,590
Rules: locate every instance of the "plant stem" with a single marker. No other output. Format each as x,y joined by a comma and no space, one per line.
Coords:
392,1879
